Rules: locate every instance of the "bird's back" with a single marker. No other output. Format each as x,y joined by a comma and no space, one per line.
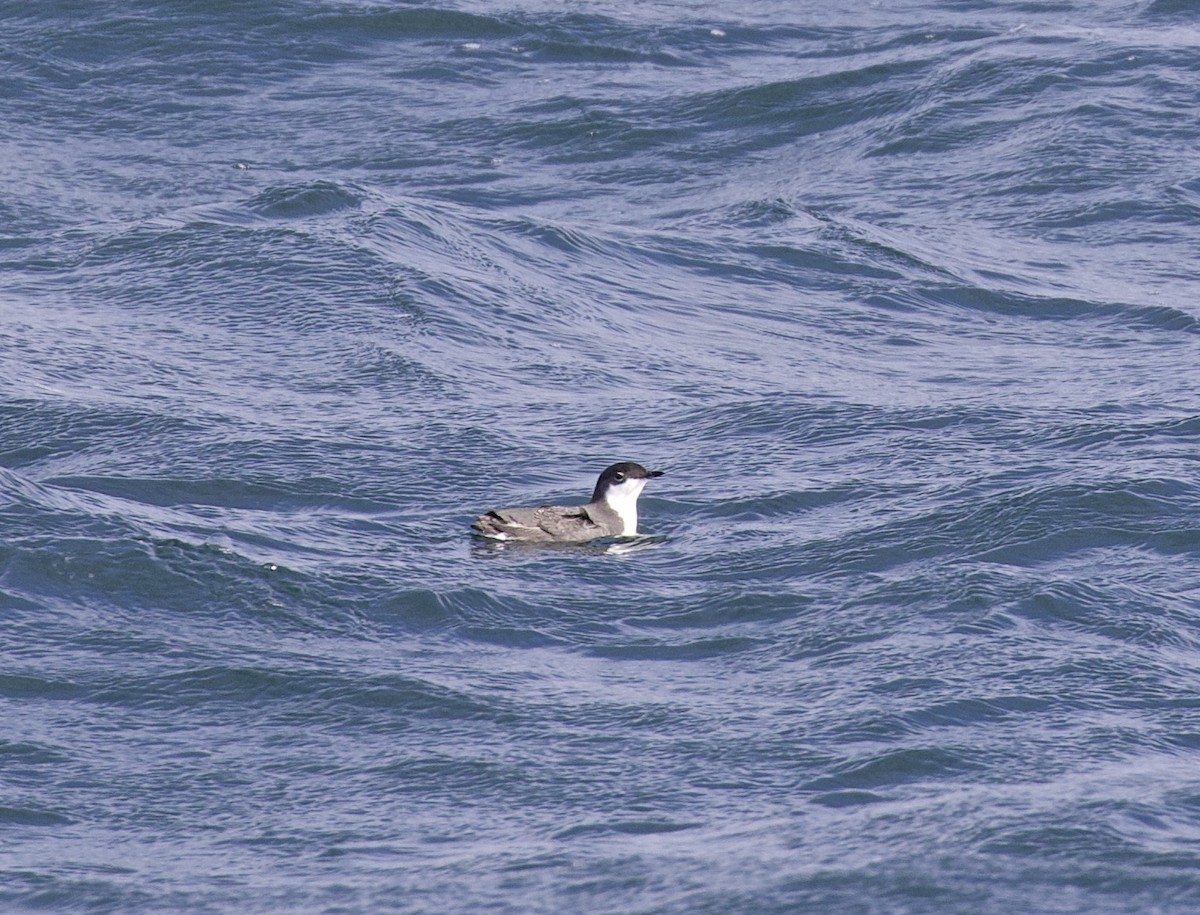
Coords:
547,524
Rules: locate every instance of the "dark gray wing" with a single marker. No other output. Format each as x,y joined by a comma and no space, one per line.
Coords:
544,524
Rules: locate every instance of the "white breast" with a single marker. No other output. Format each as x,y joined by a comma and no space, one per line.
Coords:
622,498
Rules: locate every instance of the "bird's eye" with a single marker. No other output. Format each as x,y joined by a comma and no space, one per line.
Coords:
619,477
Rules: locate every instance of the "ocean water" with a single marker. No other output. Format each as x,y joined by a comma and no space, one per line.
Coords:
904,298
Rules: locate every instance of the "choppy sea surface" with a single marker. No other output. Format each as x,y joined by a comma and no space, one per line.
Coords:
904,297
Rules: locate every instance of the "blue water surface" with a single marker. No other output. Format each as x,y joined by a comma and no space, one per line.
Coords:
902,296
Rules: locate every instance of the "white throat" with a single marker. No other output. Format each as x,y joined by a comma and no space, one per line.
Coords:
622,498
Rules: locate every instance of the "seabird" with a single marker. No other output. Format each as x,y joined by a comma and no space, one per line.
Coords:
611,513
